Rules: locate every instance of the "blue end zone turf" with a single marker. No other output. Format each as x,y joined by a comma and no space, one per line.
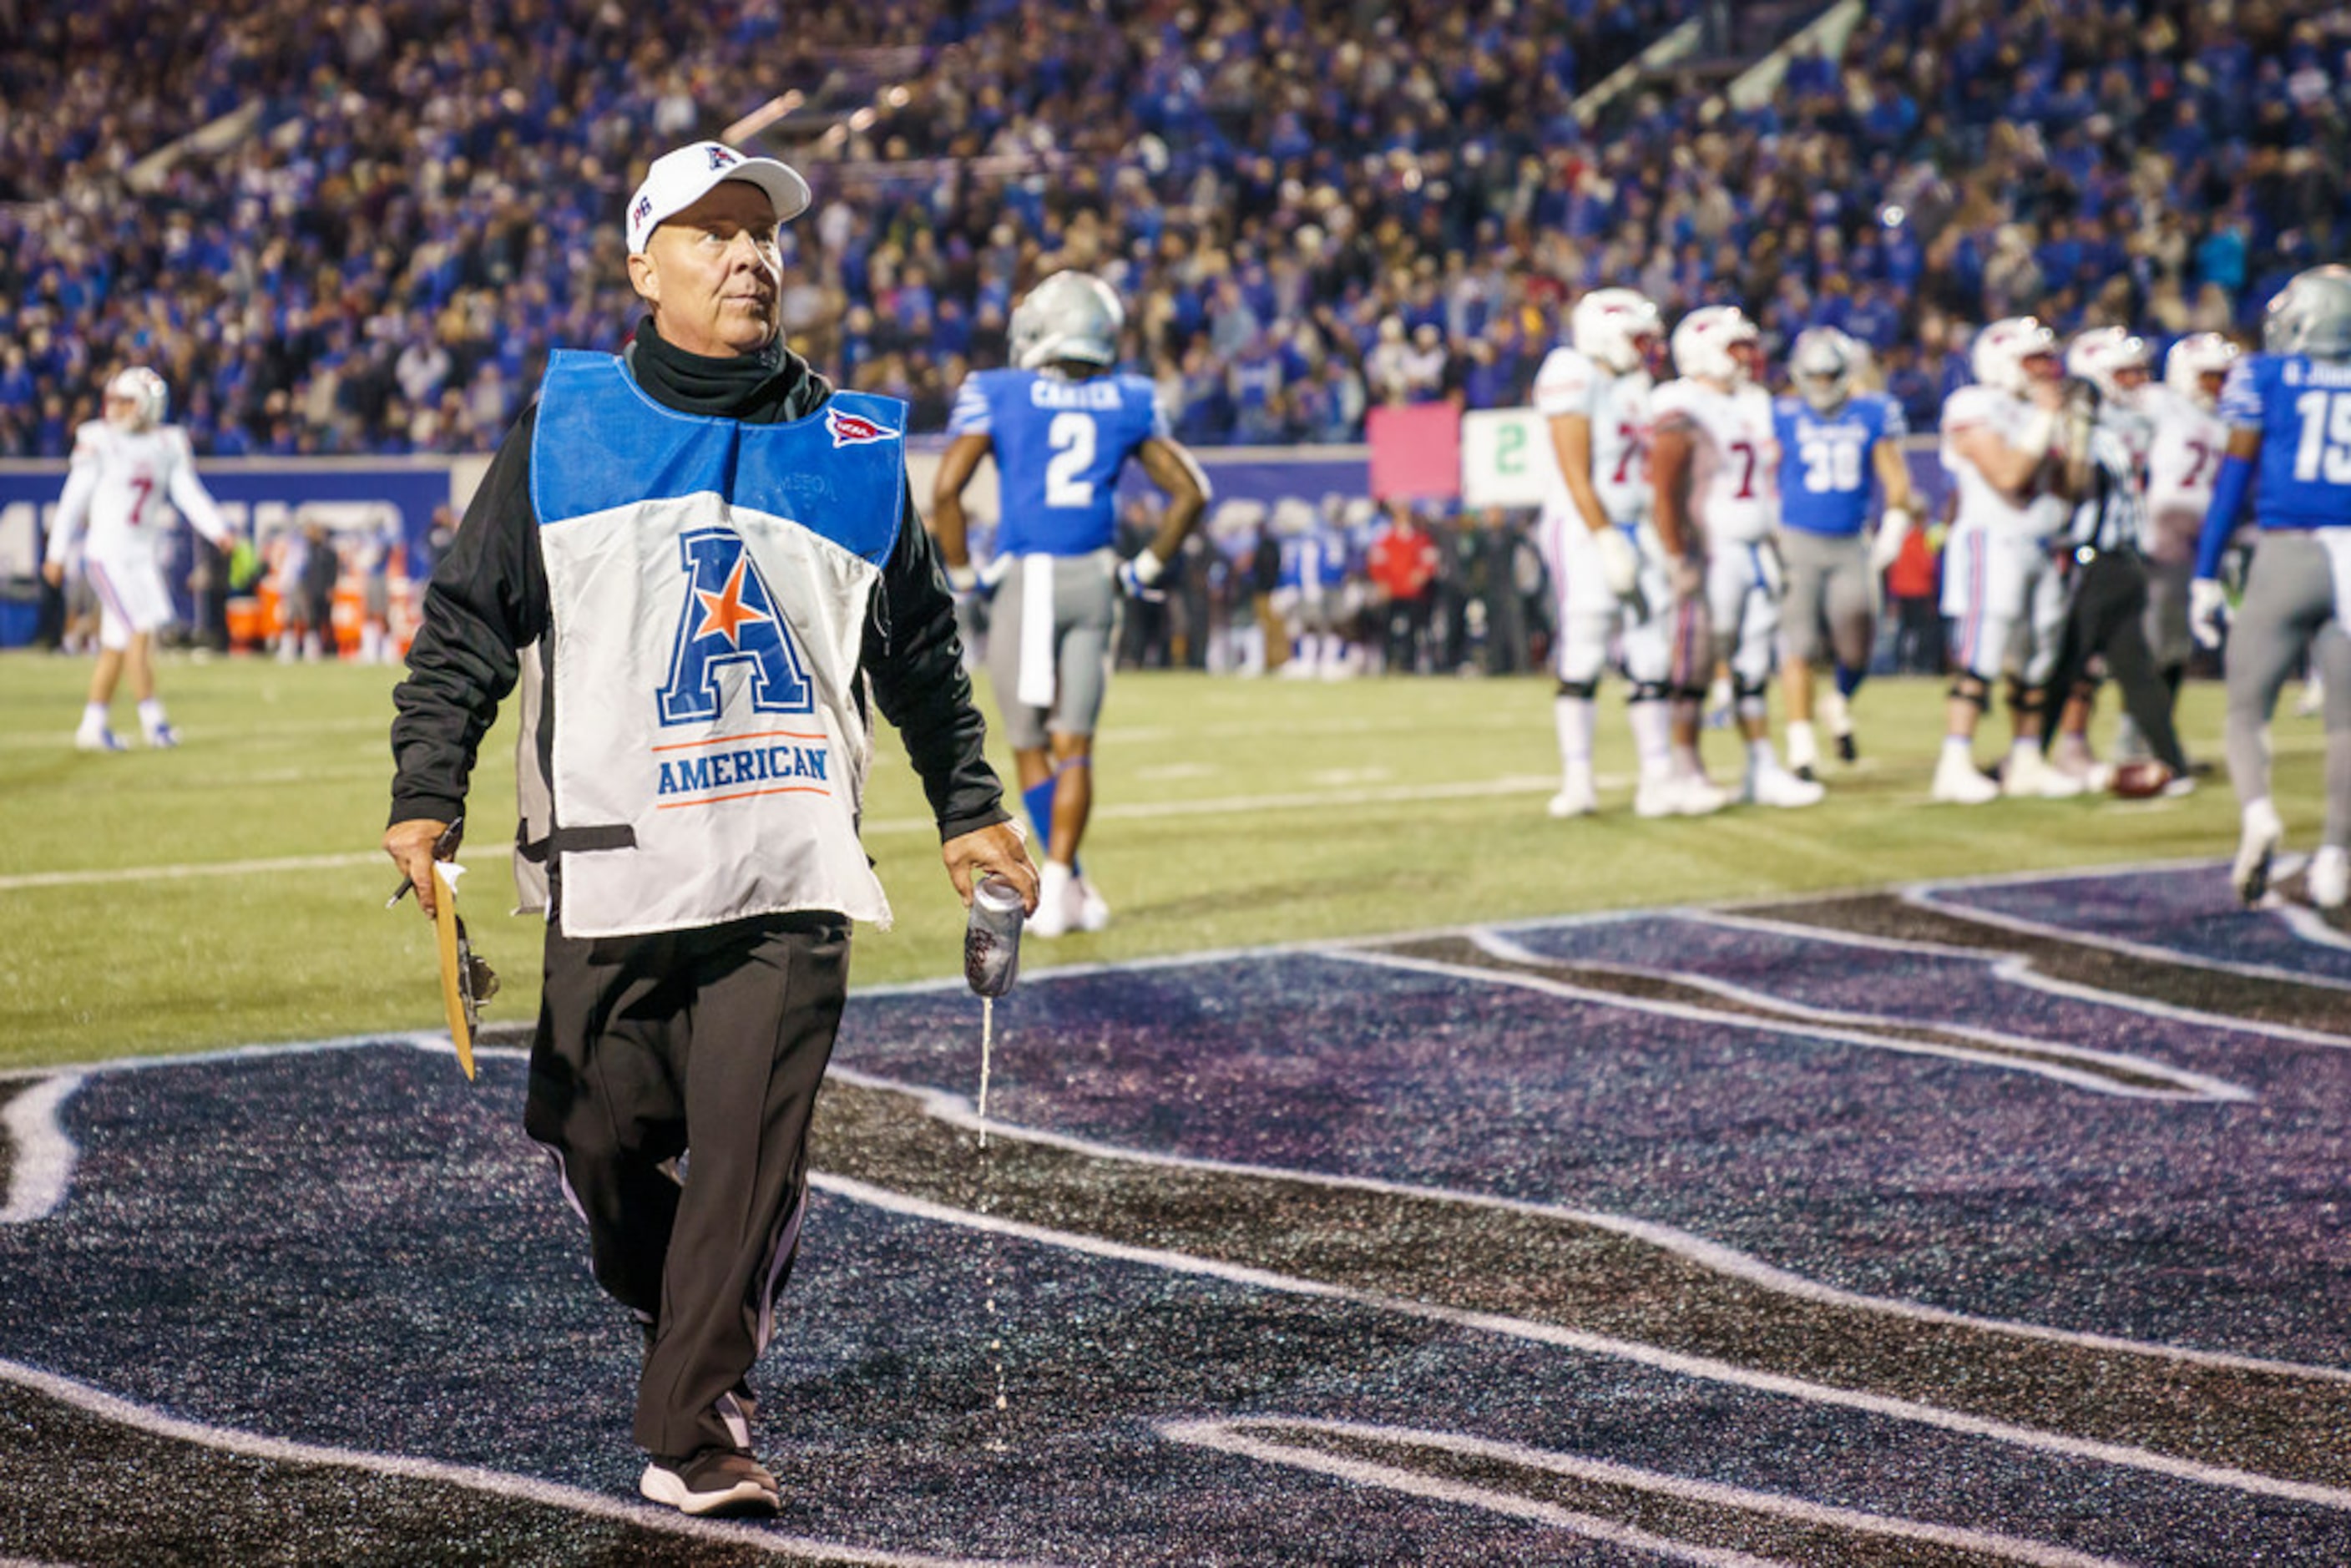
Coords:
1544,1244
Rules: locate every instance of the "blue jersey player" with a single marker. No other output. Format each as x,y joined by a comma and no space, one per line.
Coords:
1833,443
1061,422
2288,411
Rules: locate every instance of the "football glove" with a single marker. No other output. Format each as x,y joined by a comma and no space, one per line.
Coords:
1620,563
1138,576
2207,610
1893,528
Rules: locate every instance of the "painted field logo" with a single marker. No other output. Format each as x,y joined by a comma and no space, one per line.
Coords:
729,617
854,429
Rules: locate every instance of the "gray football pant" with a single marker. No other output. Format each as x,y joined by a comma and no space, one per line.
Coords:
1065,638
2289,605
712,1041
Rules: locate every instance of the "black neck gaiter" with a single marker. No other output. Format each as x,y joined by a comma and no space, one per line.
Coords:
764,388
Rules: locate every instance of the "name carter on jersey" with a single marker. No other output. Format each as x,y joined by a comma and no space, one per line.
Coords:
1097,393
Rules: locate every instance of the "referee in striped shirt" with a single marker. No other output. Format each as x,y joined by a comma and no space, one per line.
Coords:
2103,554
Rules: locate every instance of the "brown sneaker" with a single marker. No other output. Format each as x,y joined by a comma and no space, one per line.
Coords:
715,1482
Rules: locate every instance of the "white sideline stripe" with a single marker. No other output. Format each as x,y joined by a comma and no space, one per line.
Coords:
520,1488
1702,1368
1233,1436
1797,1028
1402,794
2015,969
1928,897
1233,805
955,1110
1224,1437
2192,1086
43,1164
192,869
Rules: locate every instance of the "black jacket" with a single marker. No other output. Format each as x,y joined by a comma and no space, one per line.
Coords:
489,599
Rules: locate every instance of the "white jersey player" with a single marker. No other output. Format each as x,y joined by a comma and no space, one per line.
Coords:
126,467
2190,442
1605,567
2004,441
1717,467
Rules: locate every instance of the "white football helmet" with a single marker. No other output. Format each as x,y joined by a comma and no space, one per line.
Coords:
1069,315
1717,343
2115,360
1614,328
1999,354
2192,360
1822,365
140,397
2312,315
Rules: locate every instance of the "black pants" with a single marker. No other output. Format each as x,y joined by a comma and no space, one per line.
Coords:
2108,620
712,1041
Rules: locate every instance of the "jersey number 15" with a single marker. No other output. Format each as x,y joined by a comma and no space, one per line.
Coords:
2325,446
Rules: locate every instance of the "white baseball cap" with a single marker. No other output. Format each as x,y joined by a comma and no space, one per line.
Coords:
678,180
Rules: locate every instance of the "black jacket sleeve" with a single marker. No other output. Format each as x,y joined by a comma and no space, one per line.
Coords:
486,599
915,658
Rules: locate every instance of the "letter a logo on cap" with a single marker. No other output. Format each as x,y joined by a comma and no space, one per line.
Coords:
720,158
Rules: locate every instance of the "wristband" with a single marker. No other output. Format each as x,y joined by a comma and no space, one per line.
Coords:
2034,436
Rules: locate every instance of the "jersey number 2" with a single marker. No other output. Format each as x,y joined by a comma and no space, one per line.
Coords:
2325,446
1072,437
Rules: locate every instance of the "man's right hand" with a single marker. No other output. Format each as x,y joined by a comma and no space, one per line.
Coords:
1620,562
410,845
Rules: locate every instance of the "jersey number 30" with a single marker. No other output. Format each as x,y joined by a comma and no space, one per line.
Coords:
2326,447
1831,467
1072,436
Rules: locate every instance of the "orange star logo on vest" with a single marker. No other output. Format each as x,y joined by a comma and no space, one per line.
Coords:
724,612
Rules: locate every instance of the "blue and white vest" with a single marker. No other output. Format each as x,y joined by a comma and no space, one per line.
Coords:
709,583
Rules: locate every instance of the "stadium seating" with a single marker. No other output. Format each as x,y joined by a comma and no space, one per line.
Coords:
359,229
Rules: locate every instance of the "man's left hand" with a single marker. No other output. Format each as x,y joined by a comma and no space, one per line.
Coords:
1001,851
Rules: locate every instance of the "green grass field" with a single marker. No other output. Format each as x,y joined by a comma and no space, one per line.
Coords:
230,892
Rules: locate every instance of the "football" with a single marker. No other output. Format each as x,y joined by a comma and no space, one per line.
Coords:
2139,780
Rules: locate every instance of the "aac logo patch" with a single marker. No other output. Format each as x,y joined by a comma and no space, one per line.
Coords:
854,429
729,617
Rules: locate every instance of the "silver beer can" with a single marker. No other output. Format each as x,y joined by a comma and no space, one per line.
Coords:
991,940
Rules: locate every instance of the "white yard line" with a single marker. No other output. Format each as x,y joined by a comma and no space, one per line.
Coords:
1229,805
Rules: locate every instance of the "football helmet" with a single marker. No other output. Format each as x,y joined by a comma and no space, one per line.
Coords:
1069,315
1821,365
147,397
1999,354
1614,328
1717,343
2312,315
2192,360
2114,361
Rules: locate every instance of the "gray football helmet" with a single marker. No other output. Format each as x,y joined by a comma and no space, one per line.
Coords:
1821,365
2312,315
1069,315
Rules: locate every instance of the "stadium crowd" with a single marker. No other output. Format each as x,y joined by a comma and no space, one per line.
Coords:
403,204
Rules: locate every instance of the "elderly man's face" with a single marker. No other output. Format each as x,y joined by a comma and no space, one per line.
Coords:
713,272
